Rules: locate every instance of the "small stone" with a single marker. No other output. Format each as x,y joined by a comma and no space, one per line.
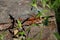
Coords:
15,32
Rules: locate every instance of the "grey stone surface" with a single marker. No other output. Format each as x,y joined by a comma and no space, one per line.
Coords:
20,8
5,35
14,7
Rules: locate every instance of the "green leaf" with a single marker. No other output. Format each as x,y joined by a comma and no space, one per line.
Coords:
44,11
28,28
29,39
39,14
55,4
34,3
44,2
45,22
35,24
57,35
1,37
19,24
48,6
21,33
